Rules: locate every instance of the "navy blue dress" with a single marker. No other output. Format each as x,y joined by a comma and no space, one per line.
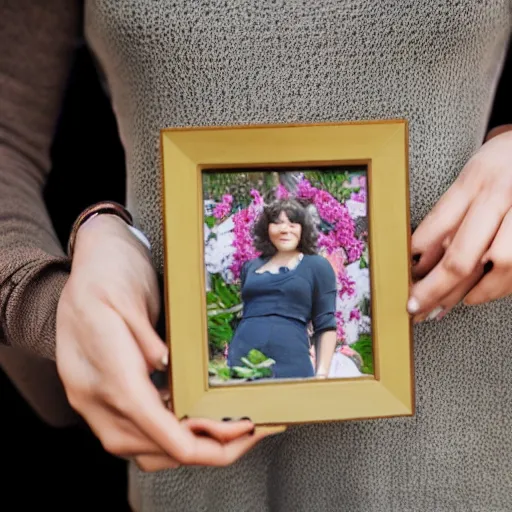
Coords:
277,310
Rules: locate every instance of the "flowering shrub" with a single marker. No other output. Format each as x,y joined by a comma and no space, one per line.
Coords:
338,242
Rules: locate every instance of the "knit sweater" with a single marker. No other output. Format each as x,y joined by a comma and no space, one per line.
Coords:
226,62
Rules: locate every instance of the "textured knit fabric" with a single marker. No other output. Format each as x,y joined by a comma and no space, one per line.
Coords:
37,41
210,62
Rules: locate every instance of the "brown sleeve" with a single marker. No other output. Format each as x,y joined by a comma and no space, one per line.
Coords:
37,41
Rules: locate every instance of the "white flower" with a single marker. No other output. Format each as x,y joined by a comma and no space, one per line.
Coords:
219,250
356,208
342,367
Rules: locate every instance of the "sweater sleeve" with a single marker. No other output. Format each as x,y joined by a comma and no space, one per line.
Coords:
324,296
37,41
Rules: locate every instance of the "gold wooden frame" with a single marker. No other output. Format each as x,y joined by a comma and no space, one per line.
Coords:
382,146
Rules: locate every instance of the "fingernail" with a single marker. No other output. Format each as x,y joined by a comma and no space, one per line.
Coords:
165,360
413,306
226,419
442,314
435,313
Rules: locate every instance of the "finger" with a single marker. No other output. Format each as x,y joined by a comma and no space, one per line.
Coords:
447,303
118,435
153,463
122,383
182,444
463,254
140,317
208,452
427,261
498,260
443,219
146,410
153,347
221,431
495,285
132,393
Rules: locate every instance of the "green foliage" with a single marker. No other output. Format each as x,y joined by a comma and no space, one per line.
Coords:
239,185
333,181
223,305
256,365
364,348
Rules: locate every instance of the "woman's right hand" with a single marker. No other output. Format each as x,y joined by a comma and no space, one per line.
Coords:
106,347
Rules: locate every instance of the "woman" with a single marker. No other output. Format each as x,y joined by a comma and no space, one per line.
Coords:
284,289
206,62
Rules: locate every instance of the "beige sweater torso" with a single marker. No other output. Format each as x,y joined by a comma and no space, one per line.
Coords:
211,62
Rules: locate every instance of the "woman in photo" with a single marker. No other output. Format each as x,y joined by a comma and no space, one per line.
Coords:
285,288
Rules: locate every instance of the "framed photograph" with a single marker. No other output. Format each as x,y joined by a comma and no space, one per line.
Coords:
287,270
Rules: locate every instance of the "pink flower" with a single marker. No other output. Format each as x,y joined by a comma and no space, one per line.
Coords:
359,197
282,192
257,200
340,326
223,208
305,190
243,221
346,285
355,314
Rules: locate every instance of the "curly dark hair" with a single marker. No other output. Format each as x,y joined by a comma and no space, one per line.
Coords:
297,214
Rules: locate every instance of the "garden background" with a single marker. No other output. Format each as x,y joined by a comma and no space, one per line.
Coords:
337,199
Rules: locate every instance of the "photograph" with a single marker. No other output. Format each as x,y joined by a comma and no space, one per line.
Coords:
287,274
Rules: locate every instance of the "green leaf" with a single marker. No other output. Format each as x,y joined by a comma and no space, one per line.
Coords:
244,373
224,373
265,364
247,362
256,357
210,221
263,372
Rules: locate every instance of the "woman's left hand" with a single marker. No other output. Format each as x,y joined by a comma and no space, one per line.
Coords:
463,248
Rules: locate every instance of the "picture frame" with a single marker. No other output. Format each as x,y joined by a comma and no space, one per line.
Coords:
186,155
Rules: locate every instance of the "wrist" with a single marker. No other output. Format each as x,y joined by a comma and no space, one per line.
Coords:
108,225
105,215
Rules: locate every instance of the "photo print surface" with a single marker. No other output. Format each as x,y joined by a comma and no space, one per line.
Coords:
287,273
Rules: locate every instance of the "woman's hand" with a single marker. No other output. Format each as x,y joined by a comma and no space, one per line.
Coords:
463,248
107,347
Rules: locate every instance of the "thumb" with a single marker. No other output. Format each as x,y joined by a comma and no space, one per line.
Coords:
152,346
